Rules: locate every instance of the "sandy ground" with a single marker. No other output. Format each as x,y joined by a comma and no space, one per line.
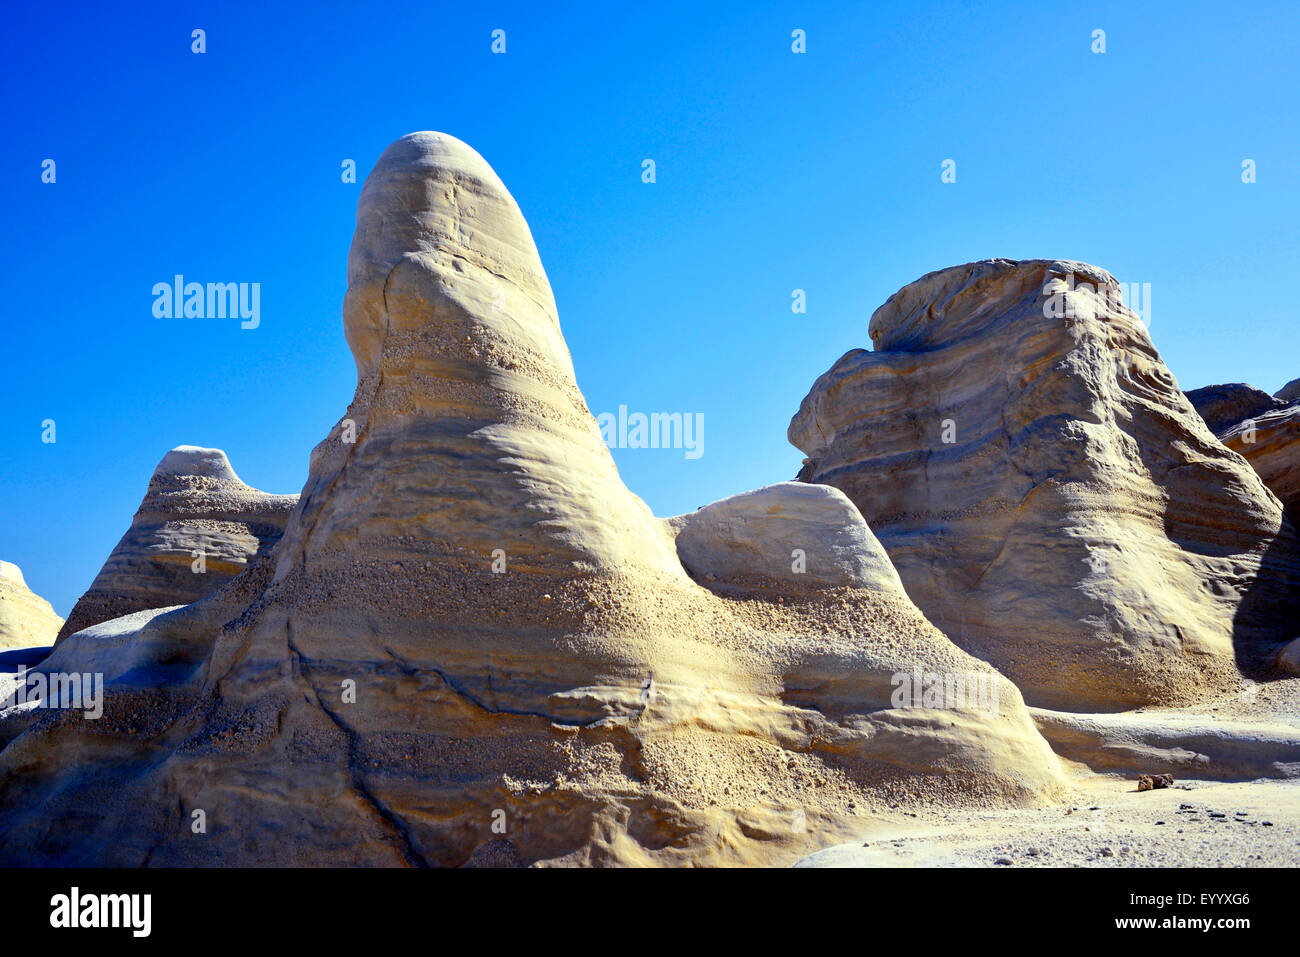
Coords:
1111,824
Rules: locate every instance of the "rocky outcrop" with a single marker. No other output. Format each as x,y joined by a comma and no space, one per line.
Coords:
806,535
26,619
1288,657
1185,744
1222,406
197,527
1270,442
1264,429
1049,497
474,645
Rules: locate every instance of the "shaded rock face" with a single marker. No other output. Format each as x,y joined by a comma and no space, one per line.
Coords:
789,532
26,619
474,645
195,503
1270,442
1264,429
1049,497
1222,406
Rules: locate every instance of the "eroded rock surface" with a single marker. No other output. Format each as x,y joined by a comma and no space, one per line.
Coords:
26,619
1270,442
1050,499
788,532
195,503
1222,406
1288,657
1290,392
474,645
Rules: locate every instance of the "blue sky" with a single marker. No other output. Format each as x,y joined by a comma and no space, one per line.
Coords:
775,171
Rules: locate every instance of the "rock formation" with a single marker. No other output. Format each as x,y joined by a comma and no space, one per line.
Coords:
195,503
26,619
1049,497
1288,657
1264,429
1222,406
1289,393
473,645
788,532
1270,442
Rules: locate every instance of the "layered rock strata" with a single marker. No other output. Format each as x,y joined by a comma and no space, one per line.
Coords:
1050,499
26,619
473,645
197,527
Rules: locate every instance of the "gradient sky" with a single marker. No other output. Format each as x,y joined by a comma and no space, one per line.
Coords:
775,171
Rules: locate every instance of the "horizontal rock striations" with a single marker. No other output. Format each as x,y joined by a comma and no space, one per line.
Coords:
1264,429
1222,406
1270,442
475,646
26,619
1049,497
195,507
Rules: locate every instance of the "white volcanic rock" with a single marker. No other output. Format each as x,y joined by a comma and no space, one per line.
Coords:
479,646
1049,497
1270,442
26,619
463,374
811,535
194,502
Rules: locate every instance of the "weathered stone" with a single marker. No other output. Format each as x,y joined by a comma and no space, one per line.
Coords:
1270,442
1152,782
809,535
1290,392
26,619
197,527
1222,406
472,635
1049,497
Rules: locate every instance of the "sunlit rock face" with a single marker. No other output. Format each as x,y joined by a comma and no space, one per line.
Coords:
197,527
1049,497
1270,442
26,619
473,645
1264,429
746,542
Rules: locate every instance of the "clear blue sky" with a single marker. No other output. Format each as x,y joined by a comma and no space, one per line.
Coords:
775,171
